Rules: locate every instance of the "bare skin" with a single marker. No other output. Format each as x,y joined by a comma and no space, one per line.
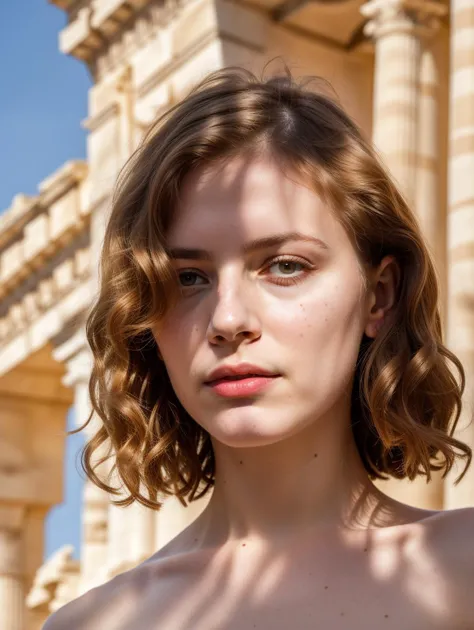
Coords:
416,576
295,535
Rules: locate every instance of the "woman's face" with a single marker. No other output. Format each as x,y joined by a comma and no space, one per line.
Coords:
296,307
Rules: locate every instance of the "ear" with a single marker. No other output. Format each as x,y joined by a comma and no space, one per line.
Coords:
382,293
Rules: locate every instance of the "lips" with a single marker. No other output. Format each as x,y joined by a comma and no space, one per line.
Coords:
242,386
237,372
240,377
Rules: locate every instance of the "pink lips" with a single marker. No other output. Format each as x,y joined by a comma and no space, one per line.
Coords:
238,381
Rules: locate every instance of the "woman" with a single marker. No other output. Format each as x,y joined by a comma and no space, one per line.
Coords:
267,327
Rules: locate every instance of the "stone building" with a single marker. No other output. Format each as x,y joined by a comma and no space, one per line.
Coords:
403,68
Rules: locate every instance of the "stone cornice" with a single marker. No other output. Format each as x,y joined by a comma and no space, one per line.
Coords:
24,207
60,182
58,306
14,218
35,231
95,24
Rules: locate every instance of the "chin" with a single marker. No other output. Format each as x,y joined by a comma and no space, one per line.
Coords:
237,428
244,440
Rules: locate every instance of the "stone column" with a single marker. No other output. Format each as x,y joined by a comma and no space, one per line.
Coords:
77,357
12,565
120,534
428,203
461,227
396,29
400,30
142,529
173,518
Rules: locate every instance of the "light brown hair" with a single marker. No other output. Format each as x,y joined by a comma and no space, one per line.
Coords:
406,400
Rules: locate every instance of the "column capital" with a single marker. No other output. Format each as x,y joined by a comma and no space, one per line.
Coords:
402,16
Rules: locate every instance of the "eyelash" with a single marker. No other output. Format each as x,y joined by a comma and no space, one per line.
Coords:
279,280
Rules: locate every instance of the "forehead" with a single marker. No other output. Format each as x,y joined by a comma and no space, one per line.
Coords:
248,197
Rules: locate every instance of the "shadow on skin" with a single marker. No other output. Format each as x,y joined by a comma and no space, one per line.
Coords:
398,576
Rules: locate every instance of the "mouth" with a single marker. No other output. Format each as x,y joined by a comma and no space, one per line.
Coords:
239,377
242,385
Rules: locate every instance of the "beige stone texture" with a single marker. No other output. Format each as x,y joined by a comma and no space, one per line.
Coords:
389,65
460,227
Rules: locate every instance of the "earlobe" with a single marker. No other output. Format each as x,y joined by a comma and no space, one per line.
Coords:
373,328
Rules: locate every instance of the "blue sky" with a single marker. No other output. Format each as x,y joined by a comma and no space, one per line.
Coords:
43,98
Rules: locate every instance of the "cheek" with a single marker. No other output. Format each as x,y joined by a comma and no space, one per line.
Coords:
178,340
326,306
323,328
178,335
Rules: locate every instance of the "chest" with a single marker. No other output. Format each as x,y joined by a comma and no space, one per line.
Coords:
353,591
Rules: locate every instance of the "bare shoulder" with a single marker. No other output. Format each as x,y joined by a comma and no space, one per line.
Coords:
453,533
85,611
104,606
107,605
448,539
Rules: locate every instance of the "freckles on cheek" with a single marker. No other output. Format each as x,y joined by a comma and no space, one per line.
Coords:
304,320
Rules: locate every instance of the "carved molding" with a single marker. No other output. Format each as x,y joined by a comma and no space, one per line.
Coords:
55,583
389,16
45,249
24,207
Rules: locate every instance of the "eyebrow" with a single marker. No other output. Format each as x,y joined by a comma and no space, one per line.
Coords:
186,253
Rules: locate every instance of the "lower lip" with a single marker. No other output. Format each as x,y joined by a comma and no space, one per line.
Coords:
240,388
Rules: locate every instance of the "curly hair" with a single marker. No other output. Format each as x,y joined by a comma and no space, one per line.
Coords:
406,401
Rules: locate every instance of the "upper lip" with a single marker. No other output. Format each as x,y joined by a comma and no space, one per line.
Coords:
237,370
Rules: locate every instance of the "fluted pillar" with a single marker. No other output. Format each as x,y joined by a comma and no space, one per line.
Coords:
404,132
461,226
396,29
428,203
120,534
77,357
397,58
131,535
174,517
12,569
142,524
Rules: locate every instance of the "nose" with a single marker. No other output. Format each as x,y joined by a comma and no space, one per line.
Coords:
233,317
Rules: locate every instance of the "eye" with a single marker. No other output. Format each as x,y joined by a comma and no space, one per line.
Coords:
188,278
294,270
287,266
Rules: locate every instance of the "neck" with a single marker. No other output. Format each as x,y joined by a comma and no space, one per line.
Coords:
308,482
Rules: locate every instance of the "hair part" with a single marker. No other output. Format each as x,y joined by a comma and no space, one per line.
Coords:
406,401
